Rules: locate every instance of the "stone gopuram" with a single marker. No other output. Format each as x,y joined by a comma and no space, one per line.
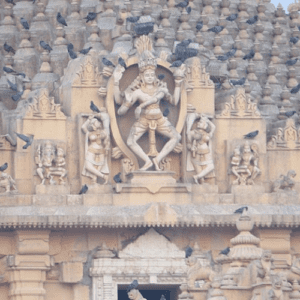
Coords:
149,150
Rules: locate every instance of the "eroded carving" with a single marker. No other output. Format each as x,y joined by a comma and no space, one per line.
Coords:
262,269
285,182
7,184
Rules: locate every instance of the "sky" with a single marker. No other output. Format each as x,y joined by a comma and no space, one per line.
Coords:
284,3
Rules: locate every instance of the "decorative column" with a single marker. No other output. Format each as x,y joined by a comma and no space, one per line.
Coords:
27,272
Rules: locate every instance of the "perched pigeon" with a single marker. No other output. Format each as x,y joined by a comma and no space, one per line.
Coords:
122,63
290,113
117,178
107,62
188,9
231,52
90,16
94,108
176,64
17,96
252,20
133,19
188,251
10,2
26,139
61,20
143,28
13,86
222,57
251,135
8,70
161,76
240,210
238,82
166,112
84,189
249,55
8,48
218,85
133,285
295,89
72,54
3,167
85,51
294,39
291,62
24,23
199,25
184,43
183,4
225,251
216,29
45,46
70,46
232,17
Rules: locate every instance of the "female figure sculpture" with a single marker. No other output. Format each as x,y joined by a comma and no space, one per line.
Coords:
97,146
199,143
148,91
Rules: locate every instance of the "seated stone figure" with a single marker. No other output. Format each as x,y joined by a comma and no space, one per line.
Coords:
285,183
135,294
7,183
262,269
276,292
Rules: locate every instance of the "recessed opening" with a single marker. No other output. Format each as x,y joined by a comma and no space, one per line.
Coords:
152,291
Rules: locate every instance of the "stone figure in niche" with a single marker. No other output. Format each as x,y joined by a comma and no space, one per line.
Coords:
245,165
135,294
199,271
51,162
7,184
97,146
148,91
285,182
276,292
199,145
262,268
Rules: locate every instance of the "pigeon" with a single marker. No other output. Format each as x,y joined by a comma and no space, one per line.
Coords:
295,89
252,20
84,189
183,4
70,46
251,135
184,43
8,48
107,62
133,19
143,28
22,74
238,82
85,51
72,54
26,139
121,62
17,96
166,112
218,85
216,29
199,25
291,62
161,76
94,108
232,17
117,178
188,251
290,113
24,23
61,20
188,9
45,46
133,285
176,64
294,39
240,210
10,2
249,55
222,57
3,167
8,70
225,251
90,17
13,86
231,52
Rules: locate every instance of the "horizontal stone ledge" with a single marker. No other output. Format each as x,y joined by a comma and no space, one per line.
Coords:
156,214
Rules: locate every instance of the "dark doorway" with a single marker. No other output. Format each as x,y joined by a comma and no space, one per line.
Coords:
152,292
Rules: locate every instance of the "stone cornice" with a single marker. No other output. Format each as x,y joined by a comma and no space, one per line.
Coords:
138,216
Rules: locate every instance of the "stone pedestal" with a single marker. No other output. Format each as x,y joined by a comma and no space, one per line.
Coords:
42,189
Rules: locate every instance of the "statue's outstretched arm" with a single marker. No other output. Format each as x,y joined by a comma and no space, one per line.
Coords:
117,75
